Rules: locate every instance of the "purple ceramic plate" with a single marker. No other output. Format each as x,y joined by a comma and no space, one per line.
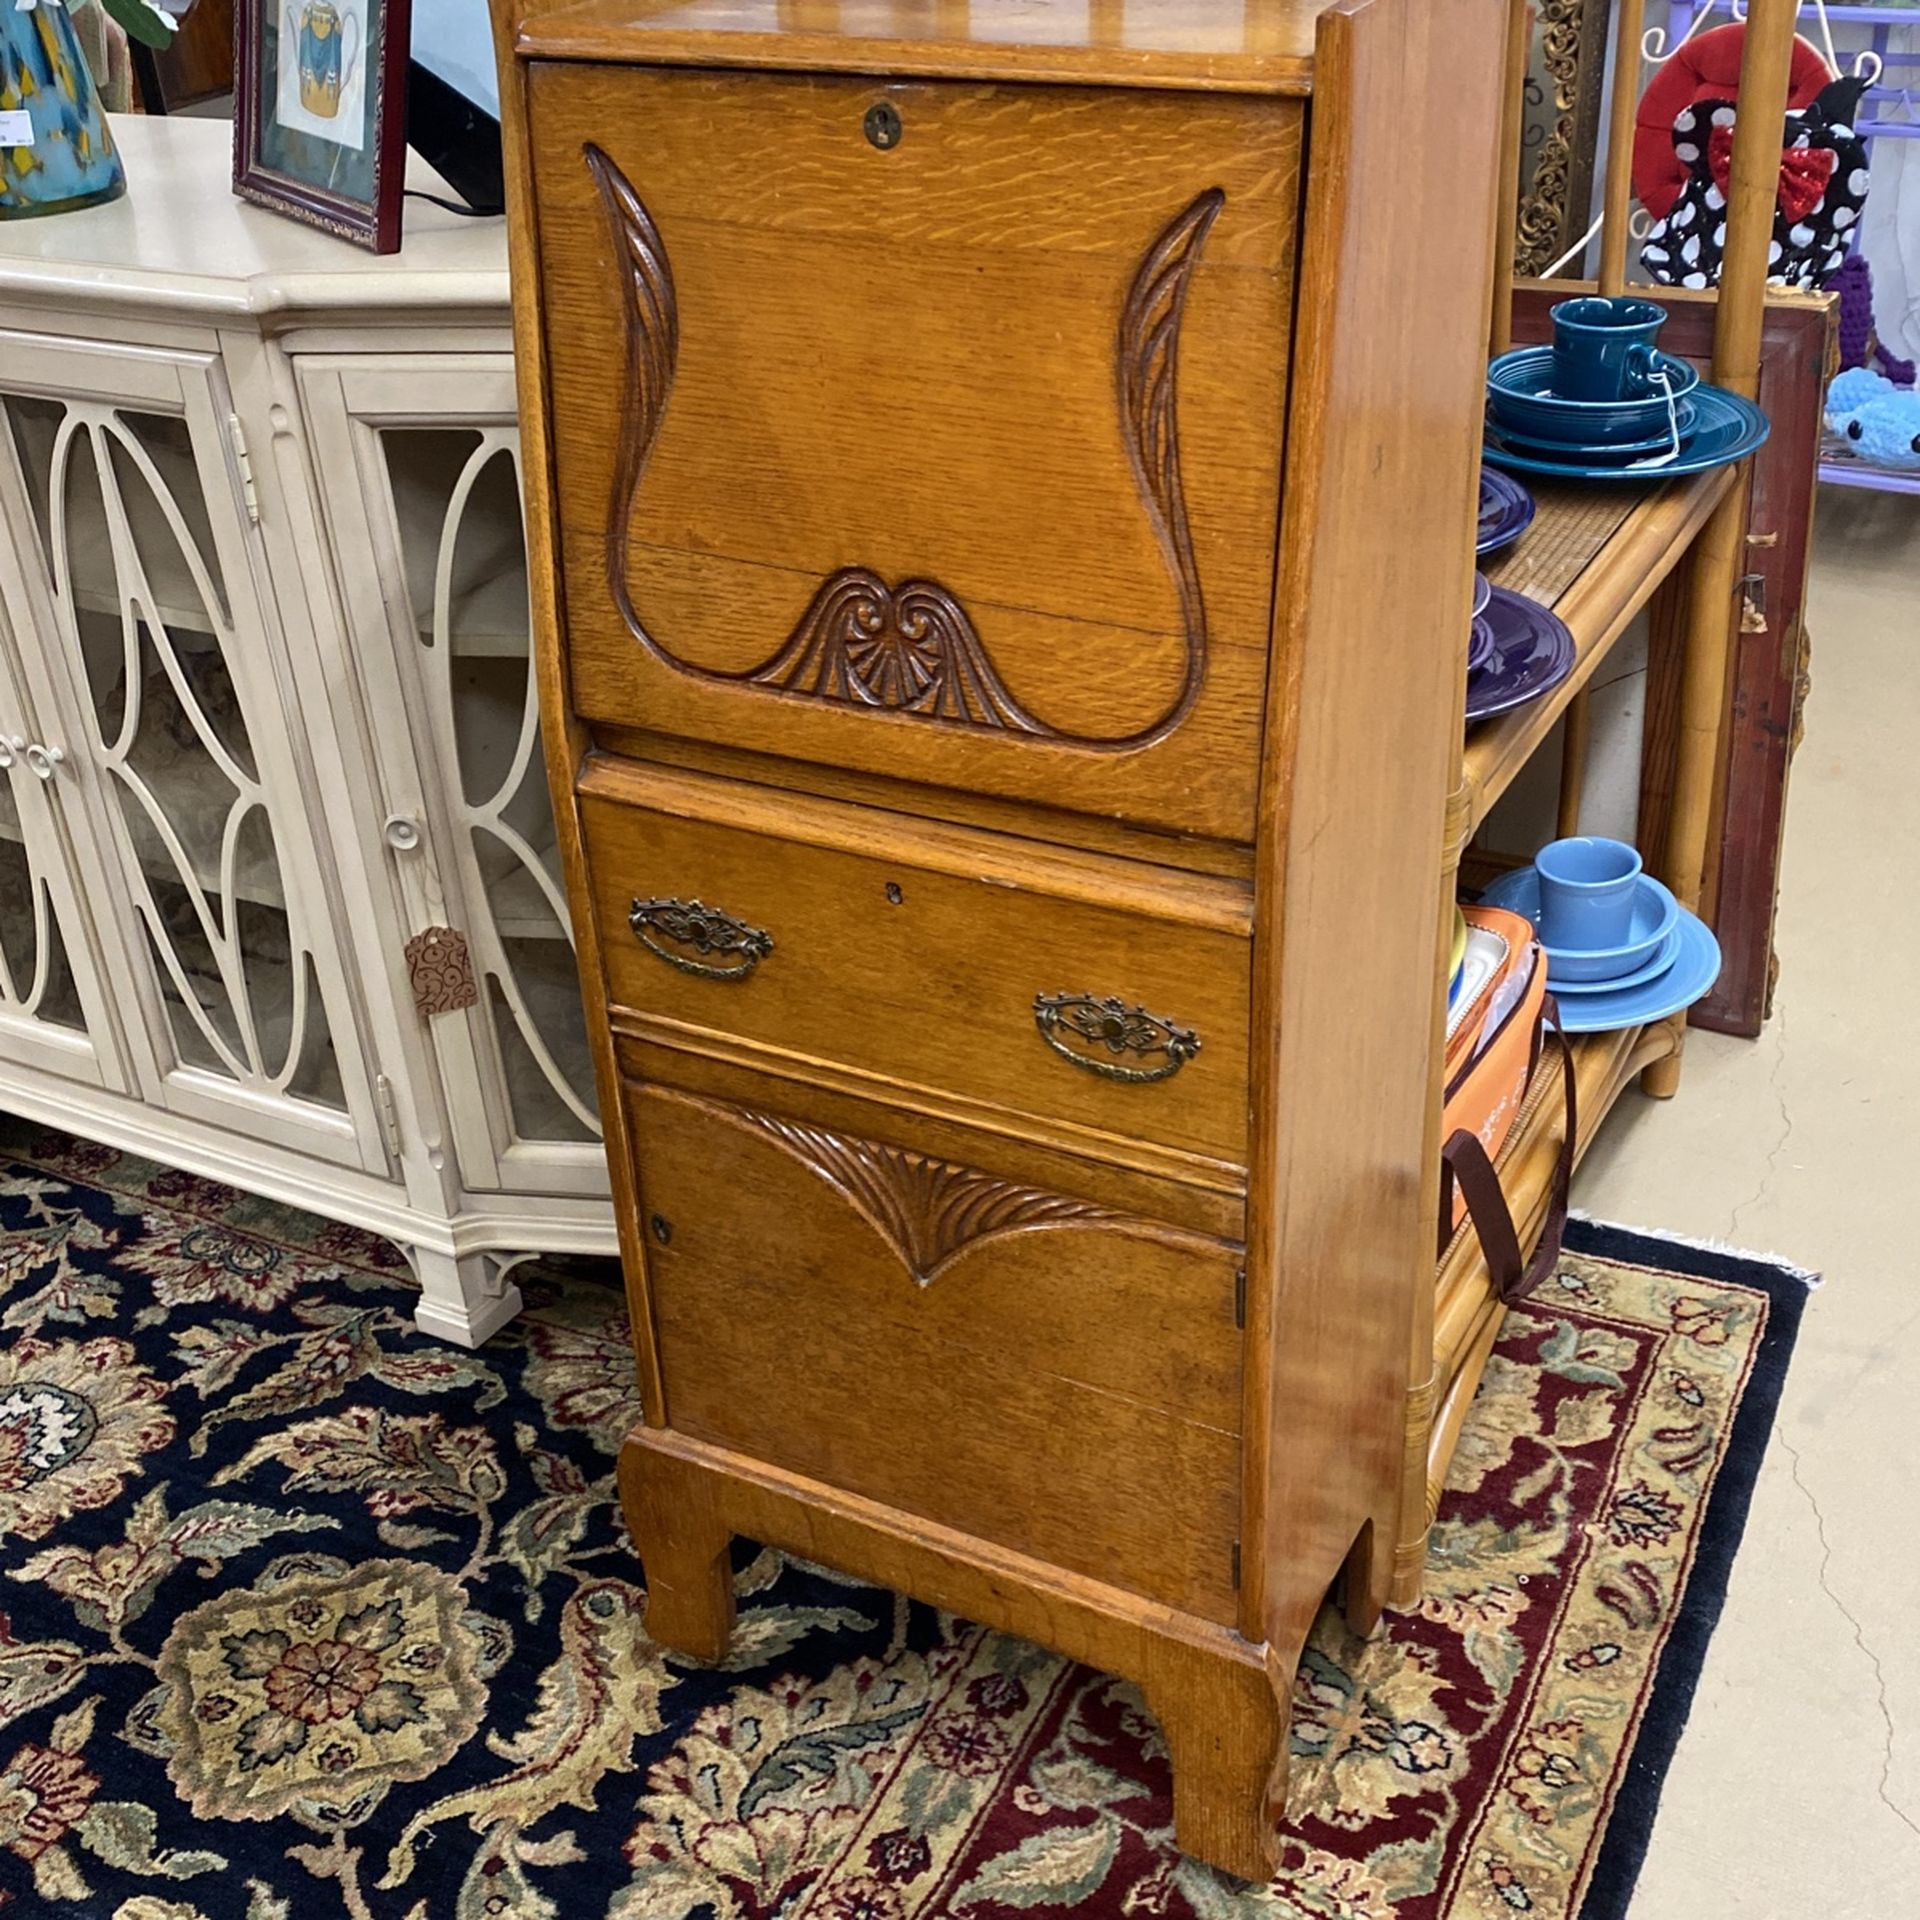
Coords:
1506,511
1532,653
1479,646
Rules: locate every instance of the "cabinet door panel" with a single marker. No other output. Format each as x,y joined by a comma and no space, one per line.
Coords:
1016,1363
418,466
958,460
53,1012
140,587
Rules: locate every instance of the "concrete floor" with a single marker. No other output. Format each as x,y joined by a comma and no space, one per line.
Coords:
1796,1789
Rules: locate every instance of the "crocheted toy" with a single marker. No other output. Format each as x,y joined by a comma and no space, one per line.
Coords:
1886,431
1850,390
1860,346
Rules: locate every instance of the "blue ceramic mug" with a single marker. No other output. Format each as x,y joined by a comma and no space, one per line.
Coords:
1603,348
1587,887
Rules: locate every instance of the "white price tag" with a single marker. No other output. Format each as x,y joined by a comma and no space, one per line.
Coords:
16,128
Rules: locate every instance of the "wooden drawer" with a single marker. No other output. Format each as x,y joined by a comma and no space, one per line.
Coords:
956,457
1022,1364
913,956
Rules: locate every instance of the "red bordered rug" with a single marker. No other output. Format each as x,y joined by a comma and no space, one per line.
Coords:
302,1613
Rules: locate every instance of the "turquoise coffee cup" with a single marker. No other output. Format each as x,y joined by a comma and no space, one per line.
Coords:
1603,348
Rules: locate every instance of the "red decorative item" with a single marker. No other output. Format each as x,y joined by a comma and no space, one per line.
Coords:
1804,172
1707,67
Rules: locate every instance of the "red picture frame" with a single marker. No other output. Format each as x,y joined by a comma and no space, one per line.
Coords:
320,113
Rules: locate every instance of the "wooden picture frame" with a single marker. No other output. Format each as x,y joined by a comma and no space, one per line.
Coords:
319,125
1566,70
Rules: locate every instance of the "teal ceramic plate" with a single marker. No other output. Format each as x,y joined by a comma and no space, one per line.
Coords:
1613,450
1725,428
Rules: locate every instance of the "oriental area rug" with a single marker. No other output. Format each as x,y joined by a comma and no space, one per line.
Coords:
303,1614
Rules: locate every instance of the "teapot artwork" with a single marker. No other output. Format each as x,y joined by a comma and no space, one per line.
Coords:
328,43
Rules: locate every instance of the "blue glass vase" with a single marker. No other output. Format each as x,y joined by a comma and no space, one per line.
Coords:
55,150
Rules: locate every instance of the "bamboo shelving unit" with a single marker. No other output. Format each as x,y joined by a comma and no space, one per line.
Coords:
1597,554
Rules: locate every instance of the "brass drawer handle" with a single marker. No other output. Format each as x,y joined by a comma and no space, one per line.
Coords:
723,948
1158,1048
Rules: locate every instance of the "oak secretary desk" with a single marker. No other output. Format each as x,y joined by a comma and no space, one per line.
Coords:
1000,483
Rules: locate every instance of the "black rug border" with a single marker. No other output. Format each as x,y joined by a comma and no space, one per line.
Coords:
1623,1848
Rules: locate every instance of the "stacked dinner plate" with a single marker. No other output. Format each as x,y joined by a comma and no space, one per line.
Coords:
1516,650
1506,511
1680,425
1650,958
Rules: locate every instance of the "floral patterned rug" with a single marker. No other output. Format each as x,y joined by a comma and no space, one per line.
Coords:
304,1614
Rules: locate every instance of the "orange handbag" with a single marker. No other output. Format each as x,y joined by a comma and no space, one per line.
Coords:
1494,1044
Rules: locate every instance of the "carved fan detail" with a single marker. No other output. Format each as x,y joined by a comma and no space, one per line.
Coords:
911,649
928,1210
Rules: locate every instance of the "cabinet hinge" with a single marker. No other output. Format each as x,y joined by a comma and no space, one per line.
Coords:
237,434
389,1114
1240,1297
1236,1563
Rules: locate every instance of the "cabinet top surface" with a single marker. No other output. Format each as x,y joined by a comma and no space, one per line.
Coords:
179,238
1254,46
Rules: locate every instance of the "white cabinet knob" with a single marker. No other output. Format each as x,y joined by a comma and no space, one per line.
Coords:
403,834
43,760
11,745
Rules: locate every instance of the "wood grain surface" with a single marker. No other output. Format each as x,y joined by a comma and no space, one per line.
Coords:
1067,1386
1381,500
756,395
1216,45
936,987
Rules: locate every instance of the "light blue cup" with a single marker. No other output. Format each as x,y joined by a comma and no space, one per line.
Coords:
1587,886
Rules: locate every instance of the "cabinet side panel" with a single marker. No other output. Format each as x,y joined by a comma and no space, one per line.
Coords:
1363,750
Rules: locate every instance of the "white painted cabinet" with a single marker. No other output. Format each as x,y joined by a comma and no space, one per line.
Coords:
279,899
417,458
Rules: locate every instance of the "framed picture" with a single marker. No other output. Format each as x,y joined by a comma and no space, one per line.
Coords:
319,127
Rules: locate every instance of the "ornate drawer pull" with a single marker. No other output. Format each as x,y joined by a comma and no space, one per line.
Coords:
1142,1046
723,948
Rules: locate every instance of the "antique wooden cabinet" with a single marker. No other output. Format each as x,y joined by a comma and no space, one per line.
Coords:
1000,491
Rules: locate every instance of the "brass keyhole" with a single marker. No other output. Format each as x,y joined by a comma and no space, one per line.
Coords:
662,1228
882,126
894,895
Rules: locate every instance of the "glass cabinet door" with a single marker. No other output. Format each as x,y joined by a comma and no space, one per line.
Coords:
53,1014
141,585
418,465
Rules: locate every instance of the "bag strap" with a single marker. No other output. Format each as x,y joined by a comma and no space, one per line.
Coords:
1465,1160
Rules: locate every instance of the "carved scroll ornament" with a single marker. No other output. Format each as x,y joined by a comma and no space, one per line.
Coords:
911,648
